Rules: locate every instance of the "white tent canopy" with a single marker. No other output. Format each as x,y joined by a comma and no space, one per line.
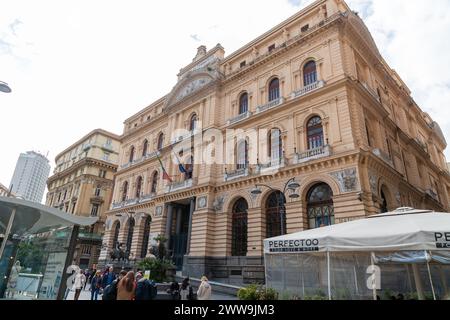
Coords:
401,230
410,246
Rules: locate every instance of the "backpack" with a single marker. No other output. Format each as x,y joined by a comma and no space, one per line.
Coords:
110,292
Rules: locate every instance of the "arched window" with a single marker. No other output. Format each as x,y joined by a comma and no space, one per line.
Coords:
309,73
243,103
124,191
242,154
138,187
275,150
275,215
131,154
154,182
160,141
274,89
130,234
320,206
144,148
116,234
239,228
193,122
383,204
315,133
146,236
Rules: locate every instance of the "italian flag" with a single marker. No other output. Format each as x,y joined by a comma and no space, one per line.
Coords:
165,174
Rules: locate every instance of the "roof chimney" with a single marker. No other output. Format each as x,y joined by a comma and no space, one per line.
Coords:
201,52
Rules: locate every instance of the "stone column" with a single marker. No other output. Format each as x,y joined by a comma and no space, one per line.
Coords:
256,231
191,213
138,236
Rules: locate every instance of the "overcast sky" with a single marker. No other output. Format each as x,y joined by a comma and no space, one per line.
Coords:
77,65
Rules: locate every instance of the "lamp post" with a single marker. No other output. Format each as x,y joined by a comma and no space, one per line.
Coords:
4,87
291,185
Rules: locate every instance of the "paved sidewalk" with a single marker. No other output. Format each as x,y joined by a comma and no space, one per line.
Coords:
86,295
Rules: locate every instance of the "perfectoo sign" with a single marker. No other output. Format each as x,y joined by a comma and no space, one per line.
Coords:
297,245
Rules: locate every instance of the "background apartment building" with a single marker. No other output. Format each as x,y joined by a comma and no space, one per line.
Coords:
82,184
338,119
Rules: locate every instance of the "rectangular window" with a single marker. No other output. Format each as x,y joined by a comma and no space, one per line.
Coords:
272,47
305,28
94,210
243,63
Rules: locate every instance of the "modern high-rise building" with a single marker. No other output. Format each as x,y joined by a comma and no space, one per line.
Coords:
30,176
305,126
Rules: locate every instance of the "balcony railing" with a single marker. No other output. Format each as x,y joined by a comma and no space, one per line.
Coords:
108,147
87,146
141,159
312,154
421,144
130,202
371,91
272,165
240,117
183,137
309,88
384,156
235,174
432,194
270,105
175,186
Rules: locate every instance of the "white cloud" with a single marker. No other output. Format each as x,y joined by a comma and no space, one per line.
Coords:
78,65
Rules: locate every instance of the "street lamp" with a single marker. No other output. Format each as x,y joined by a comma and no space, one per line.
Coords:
4,87
290,185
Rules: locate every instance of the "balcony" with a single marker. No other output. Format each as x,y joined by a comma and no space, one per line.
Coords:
383,156
97,199
186,136
126,165
272,166
131,202
176,186
309,88
239,118
150,155
421,144
236,174
432,194
147,197
371,91
108,147
312,154
272,104
87,146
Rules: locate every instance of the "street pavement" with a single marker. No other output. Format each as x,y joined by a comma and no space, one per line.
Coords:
86,295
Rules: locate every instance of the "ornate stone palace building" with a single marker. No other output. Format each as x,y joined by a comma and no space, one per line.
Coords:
82,184
336,118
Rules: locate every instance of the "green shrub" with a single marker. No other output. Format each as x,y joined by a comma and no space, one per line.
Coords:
158,268
255,292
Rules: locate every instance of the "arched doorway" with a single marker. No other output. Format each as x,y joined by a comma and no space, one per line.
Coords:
320,206
275,214
239,228
146,236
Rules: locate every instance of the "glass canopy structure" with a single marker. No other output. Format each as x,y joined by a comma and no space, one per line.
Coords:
37,244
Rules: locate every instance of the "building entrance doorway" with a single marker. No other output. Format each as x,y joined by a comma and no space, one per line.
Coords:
179,225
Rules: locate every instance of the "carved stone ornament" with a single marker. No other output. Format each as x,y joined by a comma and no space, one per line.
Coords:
108,224
191,87
373,183
202,201
158,211
398,197
347,179
218,203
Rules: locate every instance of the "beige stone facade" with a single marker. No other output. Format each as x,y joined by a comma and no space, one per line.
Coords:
82,184
325,109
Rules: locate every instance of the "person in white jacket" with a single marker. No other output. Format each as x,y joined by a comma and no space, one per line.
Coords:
78,284
204,290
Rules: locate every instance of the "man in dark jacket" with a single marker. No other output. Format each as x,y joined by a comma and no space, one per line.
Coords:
108,277
145,290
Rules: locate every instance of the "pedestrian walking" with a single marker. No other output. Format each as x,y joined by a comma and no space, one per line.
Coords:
204,290
145,289
108,277
80,280
126,287
88,276
96,283
186,292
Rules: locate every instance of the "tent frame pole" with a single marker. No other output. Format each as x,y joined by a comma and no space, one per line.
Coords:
429,275
374,275
329,273
7,231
